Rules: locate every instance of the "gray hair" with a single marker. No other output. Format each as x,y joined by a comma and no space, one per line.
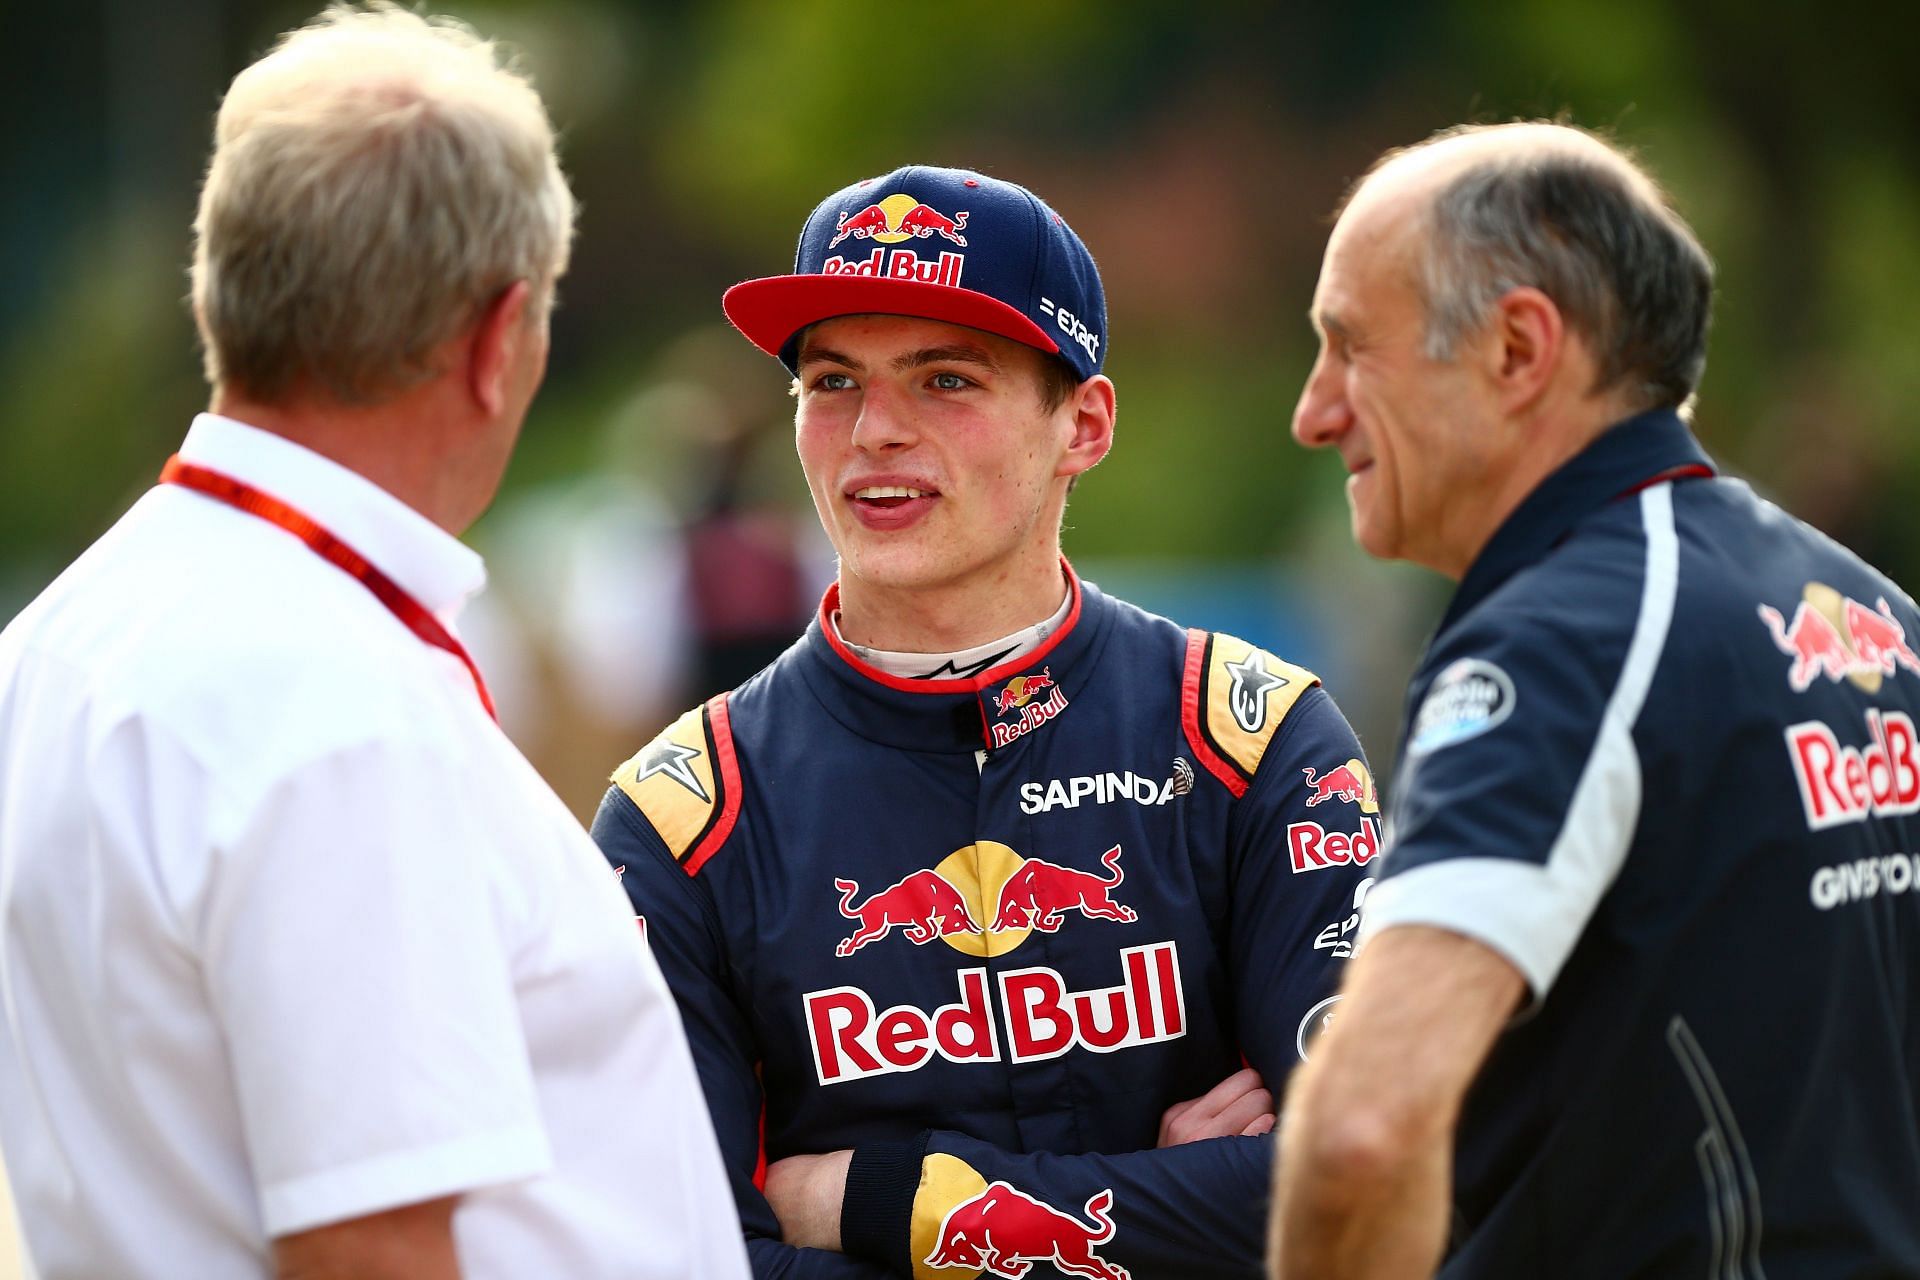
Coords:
376,180
1590,229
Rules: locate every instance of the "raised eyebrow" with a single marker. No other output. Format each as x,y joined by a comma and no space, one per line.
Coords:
956,353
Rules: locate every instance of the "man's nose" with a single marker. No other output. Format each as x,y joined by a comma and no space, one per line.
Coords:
1322,414
884,421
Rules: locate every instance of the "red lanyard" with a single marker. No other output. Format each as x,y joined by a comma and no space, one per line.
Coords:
244,496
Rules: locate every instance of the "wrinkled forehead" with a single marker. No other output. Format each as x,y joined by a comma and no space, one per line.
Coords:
1373,246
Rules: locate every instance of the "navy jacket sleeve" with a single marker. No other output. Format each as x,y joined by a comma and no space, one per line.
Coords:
681,929
1520,787
1196,1211
1302,839
1304,843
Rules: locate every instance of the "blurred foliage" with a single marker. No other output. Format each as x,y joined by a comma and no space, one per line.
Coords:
1196,148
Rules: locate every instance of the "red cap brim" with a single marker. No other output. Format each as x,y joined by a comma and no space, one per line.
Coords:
771,310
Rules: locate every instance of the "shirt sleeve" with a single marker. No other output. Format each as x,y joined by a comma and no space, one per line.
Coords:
1520,787
358,968
677,916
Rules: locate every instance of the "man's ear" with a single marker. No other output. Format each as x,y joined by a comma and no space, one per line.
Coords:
494,344
1525,345
1092,405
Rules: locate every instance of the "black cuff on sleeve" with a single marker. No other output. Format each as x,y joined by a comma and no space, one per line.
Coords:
876,1213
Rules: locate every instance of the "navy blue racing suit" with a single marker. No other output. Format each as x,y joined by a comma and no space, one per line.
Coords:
985,931
1662,756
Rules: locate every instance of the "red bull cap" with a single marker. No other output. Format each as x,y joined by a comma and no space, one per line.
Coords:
938,244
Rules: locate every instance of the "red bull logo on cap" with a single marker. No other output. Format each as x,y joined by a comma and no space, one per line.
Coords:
897,219
1837,637
1003,1231
899,264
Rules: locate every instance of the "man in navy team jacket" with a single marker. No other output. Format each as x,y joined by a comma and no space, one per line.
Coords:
1638,990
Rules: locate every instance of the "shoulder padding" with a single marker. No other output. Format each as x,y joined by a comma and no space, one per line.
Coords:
1233,697
686,783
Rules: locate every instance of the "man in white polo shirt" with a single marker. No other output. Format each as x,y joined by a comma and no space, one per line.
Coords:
304,970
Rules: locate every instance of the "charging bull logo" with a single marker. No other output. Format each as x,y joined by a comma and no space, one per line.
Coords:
922,903
1040,892
1351,782
1837,637
896,219
989,882
1022,695
1004,1231
1023,689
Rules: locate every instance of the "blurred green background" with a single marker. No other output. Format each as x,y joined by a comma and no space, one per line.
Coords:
1197,149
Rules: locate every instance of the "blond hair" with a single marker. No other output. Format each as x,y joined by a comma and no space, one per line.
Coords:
377,178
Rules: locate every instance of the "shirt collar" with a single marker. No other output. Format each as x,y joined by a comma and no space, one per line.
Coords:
1018,697
1624,459
977,658
425,560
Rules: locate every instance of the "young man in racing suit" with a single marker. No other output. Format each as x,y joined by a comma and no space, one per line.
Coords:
995,906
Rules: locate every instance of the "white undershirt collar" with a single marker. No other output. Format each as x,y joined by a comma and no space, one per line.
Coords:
966,662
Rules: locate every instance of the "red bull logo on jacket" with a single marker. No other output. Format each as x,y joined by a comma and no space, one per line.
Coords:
1003,1231
1351,782
1022,695
988,882
1314,848
1044,1018
1040,892
921,903
1023,689
1841,784
1015,897
1837,637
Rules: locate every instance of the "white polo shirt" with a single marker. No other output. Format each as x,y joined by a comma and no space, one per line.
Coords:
293,934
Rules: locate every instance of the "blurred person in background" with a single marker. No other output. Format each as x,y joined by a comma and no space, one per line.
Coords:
676,567
306,972
1637,991
980,900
